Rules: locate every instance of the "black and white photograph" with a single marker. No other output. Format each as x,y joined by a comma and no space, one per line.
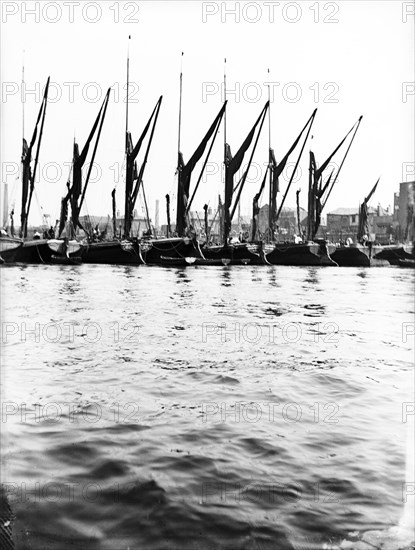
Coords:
207,273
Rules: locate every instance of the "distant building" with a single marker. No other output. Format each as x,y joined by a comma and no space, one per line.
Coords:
287,222
343,223
404,211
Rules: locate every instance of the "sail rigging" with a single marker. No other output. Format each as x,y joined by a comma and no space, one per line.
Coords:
28,177
317,190
232,165
277,171
76,191
363,227
134,177
185,174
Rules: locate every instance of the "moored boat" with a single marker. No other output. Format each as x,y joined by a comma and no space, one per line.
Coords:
9,247
155,251
123,252
234,254
306,254
394,253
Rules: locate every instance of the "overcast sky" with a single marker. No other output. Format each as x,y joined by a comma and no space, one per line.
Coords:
347,58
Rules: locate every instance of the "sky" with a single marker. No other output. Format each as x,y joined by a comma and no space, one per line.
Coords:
346,58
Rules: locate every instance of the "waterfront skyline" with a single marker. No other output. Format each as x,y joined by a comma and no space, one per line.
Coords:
344,71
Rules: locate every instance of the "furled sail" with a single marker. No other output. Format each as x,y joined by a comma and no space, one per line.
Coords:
317,190
232,165
76,192
28,177
185,173
133,176
278,169
363,227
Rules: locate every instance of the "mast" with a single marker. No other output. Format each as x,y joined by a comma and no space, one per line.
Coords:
102,118
168,215
23,96
363,228
298,212
180,103
271,191
234,165
282,164
127,98
205,208
224,100
316,187
127,137
27,159
114,214
76,193
216,123
311,198
134,179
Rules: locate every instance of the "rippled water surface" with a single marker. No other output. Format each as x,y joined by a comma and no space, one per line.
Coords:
207,408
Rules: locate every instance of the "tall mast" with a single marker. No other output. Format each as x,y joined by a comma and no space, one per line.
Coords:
128,85
180,102
23,96
127,145
225,207
270,212
224,100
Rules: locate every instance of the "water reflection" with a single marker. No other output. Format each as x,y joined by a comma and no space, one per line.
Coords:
226,276
272,276
70,280
182,275
312,277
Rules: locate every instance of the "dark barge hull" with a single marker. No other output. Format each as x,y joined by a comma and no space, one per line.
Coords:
34,252
308,254
38,251
9,249
394,253
162,251
359,255
112,252
233,254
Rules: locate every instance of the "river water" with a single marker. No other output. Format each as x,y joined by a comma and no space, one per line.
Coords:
208,407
